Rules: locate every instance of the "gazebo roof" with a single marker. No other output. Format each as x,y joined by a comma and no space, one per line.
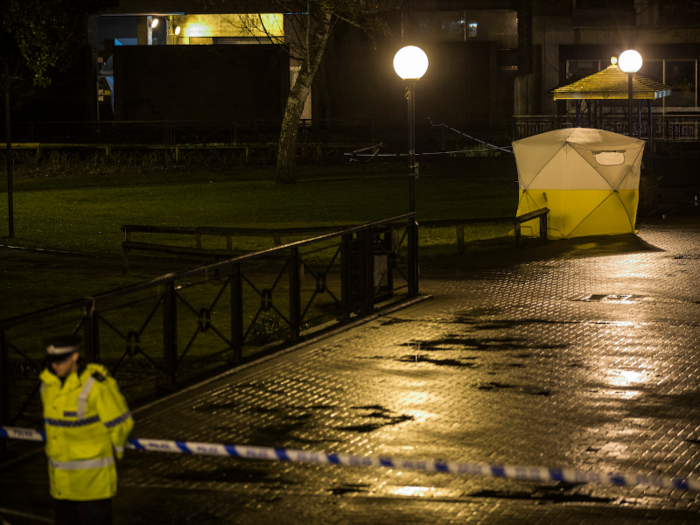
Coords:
611,84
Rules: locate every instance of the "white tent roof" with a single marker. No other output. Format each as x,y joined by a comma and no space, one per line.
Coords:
568,159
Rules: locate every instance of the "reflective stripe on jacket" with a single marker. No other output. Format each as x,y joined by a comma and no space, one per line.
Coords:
87,421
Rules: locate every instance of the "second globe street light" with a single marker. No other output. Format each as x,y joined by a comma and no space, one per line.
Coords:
630,62
411,63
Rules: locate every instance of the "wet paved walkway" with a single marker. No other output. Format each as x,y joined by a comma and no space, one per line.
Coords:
582,354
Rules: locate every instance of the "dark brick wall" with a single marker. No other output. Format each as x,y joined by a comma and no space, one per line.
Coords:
200,82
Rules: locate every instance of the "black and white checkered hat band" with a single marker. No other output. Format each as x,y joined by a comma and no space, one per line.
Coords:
60,350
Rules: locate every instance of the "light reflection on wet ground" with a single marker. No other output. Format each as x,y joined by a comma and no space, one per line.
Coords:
584,356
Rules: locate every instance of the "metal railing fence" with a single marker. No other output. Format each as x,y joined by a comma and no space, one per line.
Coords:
258,132
151,335
675,128
672,128
188,132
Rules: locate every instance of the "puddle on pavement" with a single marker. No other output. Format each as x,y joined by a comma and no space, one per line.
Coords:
213,407
651,405
271,436
386,418
241,473
455,342
494,386
527,390
395,320
350,488
548,494
503,324
422,358
609,298
448,343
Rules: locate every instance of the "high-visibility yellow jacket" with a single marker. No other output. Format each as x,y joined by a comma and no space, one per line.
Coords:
87,421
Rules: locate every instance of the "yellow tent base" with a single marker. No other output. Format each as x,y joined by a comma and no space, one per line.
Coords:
580,213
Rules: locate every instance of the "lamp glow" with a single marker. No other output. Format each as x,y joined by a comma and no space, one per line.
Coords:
177,30
630,61
154,23
410,63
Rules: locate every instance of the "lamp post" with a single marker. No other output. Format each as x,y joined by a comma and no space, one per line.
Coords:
630,62
8,155
411,63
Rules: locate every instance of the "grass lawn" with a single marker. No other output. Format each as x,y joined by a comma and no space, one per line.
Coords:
81,217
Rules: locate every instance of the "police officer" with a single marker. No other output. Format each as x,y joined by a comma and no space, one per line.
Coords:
87,423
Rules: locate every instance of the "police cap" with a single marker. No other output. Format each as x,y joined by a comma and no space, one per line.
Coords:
60,347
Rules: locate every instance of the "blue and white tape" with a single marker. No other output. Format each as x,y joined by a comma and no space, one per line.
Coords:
425,465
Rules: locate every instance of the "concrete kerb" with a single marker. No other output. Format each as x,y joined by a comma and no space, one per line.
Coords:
24,515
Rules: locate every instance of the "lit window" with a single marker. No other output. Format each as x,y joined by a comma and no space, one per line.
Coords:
472,29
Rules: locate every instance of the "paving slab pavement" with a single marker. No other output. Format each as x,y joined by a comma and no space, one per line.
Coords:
582,354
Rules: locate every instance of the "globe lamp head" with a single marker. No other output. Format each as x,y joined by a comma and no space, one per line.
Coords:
630,61
410,63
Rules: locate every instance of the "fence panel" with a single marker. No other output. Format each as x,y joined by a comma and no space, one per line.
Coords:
154,334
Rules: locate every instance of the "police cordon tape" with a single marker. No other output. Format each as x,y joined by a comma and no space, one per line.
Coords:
442,124
357,153
425,465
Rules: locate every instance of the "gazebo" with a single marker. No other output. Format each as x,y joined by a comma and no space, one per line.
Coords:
612,84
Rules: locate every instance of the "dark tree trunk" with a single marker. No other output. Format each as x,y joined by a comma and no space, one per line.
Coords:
319,29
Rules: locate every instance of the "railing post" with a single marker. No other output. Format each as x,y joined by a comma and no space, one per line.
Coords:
92,335
237,312
294,293
345,280
170,332
4,389
460,238
388,245
412,256
543,226
367,273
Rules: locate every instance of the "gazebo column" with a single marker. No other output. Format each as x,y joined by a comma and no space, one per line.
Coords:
639,119
648,183
578,113
650,128
596,119
590,116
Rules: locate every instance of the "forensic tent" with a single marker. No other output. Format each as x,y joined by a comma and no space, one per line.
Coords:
588,178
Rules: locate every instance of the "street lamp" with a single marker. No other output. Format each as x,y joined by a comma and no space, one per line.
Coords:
630,62
411,63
